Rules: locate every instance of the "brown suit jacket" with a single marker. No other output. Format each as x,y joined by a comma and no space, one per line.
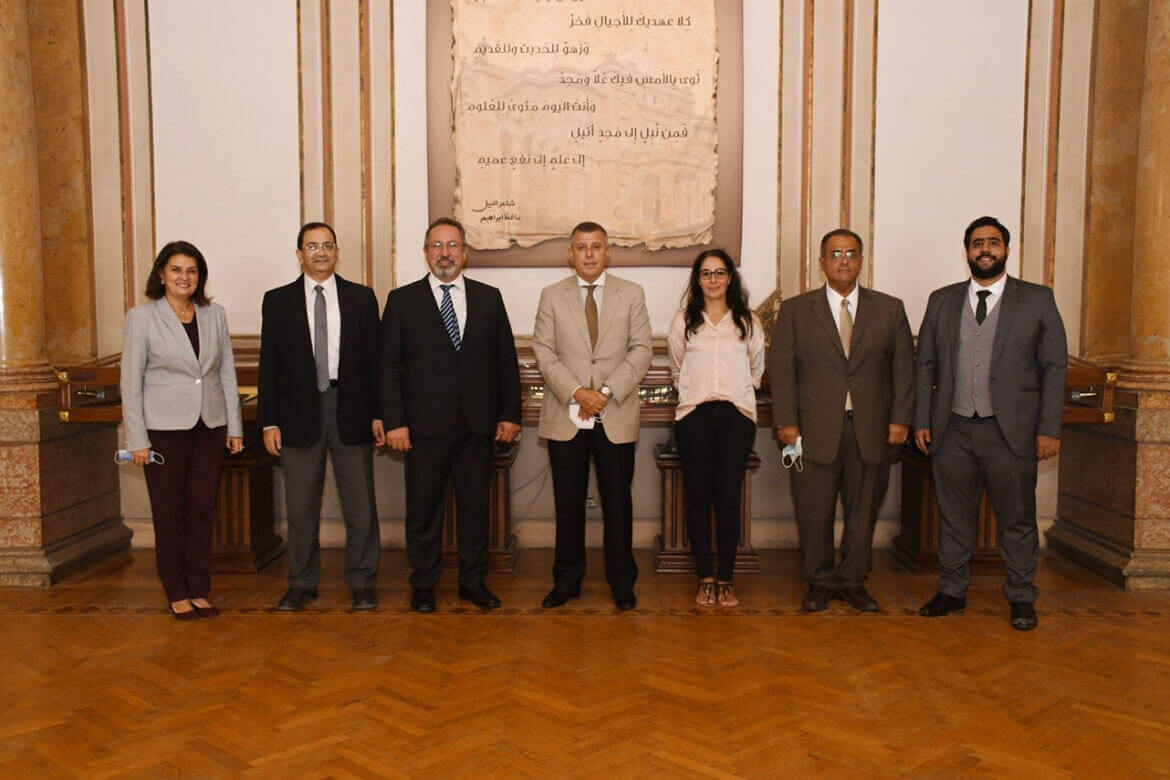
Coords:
809,374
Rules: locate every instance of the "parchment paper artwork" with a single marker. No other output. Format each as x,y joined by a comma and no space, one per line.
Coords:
566,110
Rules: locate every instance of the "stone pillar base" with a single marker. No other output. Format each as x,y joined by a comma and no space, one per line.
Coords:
1130,569
42,567
60,508
1113,509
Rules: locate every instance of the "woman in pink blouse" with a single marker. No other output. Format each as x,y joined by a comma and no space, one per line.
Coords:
717,359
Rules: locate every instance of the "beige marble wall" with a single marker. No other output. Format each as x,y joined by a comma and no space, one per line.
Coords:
58,77
1115,106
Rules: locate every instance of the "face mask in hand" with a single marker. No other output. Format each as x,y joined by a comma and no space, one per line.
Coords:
122,457
791,456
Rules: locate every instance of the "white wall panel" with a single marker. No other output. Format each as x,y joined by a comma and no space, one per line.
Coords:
226,142
949,127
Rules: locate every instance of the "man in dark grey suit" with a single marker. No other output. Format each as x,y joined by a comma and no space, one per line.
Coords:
318,358
992,361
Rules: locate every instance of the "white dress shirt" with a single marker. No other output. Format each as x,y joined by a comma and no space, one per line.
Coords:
835,299
715,364
598,290
332,317
458,298
996,291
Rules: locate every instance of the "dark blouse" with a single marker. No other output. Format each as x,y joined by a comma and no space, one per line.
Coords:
192,329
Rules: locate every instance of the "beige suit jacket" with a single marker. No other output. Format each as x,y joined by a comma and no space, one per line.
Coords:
164,386
560,339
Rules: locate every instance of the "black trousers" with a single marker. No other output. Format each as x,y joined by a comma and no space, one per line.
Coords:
183,493
466,458
974,455
615,473
861,487
714,443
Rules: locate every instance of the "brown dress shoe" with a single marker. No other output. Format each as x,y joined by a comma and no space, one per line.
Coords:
817,598
857,597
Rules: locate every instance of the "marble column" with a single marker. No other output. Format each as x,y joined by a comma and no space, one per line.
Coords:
1114,504
59,507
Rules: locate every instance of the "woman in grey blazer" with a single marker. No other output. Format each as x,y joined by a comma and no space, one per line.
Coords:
179,401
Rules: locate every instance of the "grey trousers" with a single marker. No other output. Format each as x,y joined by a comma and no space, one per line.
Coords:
304,481
973,455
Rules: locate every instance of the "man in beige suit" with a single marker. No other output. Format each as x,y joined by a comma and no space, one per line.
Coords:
592,345
841,369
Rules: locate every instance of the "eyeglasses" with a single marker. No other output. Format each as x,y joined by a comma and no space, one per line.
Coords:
717,274
328,246
435,246
851,254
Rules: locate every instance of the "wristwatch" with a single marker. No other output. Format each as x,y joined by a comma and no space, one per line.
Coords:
605,391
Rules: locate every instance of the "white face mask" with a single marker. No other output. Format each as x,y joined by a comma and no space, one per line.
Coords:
791,456
122,457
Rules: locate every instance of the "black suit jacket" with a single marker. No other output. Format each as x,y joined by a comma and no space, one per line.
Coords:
809,374
287,394
1029,363
424,381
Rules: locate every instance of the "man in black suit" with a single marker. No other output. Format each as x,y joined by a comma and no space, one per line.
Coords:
449,385
992,362
318,355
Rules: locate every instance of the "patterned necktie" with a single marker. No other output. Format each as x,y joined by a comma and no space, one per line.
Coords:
846,342
981,307
321,339
591,315
447,310
846,326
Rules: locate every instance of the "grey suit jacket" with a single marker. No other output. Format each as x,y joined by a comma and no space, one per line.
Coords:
1029,363
810,376
164,386
560,339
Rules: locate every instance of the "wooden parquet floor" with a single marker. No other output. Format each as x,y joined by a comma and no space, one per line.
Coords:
97,681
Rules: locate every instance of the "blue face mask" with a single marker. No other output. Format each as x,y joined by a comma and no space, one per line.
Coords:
792,456
122,457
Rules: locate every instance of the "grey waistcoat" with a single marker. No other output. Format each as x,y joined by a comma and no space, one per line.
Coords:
973,364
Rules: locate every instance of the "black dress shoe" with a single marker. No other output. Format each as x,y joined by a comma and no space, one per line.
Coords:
422,599
364,598
480,596
625,601
209,611
817,598
941,604
857,597
295,599
1023,616
560,594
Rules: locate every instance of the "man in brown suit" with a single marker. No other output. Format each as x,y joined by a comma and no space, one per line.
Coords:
842,377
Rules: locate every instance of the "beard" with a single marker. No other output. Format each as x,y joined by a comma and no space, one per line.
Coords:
987,273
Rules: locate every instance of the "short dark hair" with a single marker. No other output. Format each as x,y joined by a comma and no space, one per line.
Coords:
985,222
305,228
450,223
589,227
842,232
155,288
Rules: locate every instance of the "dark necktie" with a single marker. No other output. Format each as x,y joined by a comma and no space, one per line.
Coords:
981,307
591,315
447,310
321,339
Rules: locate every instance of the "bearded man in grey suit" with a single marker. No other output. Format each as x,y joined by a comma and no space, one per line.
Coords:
991,368
592,345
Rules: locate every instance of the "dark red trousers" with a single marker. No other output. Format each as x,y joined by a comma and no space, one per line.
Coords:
183,495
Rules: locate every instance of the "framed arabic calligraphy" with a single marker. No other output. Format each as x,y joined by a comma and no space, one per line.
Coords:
544,113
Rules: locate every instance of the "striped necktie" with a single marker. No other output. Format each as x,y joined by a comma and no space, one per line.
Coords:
447,310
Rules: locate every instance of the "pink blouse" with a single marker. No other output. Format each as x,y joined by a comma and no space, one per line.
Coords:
715,364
